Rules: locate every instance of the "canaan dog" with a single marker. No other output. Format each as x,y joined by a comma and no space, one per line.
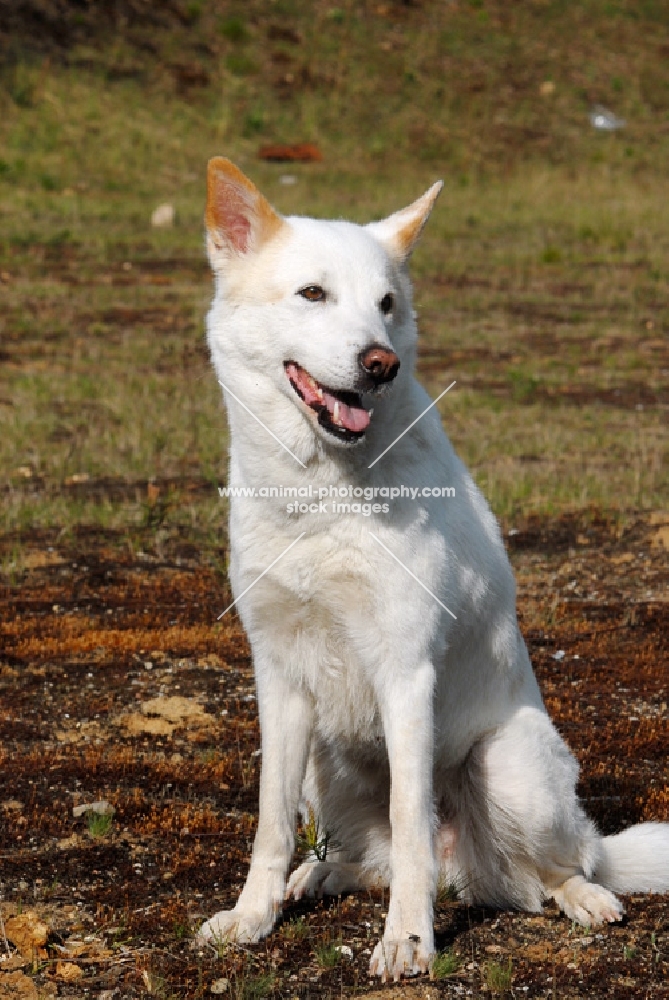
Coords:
397,701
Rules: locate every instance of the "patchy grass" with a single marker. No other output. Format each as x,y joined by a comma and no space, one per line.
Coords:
99,824
542,280
445,964
328,953
499,977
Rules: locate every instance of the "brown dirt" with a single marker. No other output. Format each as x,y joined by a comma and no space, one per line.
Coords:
117,683
56,25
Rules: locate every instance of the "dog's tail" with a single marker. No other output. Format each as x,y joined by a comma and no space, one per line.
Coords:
636,860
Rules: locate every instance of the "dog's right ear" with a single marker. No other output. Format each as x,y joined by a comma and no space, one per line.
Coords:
238,218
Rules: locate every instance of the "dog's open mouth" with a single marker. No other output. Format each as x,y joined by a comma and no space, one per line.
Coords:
340,412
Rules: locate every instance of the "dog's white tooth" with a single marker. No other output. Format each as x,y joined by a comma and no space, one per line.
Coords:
335,412
371,411
319,393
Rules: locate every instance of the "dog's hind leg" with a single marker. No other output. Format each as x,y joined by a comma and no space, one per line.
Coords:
330,878
522,835
350,807
586,902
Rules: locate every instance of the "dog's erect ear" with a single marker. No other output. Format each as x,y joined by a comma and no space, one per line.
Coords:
399,233
238,218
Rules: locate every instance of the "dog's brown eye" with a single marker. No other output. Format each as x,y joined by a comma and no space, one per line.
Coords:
313,293
387,303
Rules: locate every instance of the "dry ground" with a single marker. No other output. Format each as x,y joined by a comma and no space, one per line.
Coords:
117,684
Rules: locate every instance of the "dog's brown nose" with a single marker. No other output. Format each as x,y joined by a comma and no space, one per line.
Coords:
380,364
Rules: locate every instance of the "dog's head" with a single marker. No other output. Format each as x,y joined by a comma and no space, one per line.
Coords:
321,308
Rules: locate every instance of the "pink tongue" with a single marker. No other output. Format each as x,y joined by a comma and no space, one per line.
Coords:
353,418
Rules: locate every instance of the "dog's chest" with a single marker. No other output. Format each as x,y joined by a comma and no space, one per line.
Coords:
324,657
320,632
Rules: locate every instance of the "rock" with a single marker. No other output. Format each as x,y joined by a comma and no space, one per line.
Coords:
28,934
136,723
102,808
12,805
177,710
67,842
15,961
17,986
220,986
68,972
163,216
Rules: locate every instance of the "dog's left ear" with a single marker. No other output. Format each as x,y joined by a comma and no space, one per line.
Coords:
399,233
239,219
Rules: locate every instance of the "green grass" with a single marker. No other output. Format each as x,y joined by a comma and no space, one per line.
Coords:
445,964
499,977
295,930
542,279
99,824
328,954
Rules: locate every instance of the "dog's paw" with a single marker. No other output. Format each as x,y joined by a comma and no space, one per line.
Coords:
392,959
234,925
588,903
323,878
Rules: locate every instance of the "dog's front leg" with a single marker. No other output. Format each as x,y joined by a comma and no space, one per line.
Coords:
286,716
407,946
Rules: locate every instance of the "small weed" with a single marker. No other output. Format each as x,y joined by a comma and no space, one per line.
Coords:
255,122
99,824
312,840
240,64
194,11
253,987
180,930
445,964
235,30
328,954
523,386
295,930
499,977
449,890
551,255
244,983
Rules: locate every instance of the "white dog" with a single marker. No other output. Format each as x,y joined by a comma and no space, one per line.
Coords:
396,697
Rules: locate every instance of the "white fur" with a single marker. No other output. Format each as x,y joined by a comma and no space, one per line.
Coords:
421,742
